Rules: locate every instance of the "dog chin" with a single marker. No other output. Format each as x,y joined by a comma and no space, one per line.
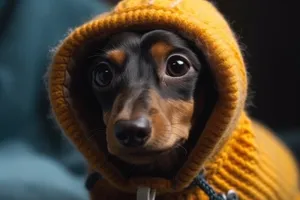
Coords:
138,160
140,157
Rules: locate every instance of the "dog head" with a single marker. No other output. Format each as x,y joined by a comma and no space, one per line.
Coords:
133,89
144,84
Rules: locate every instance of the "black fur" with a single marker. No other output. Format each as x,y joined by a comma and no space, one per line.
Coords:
139,72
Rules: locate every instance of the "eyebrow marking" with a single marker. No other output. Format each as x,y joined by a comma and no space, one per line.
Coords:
118,56
160,51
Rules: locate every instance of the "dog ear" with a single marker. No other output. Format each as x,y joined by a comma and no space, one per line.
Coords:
205,96
81,97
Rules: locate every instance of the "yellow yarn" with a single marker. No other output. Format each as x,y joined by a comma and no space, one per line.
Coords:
236,152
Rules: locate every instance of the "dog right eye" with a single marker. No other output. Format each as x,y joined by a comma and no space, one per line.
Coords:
102,74
177,65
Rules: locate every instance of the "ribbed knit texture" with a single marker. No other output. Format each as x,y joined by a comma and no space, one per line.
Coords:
236,153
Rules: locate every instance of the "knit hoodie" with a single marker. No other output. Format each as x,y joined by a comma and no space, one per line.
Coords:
236,152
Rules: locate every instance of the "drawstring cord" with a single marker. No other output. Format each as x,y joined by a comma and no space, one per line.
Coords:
148,194
209,191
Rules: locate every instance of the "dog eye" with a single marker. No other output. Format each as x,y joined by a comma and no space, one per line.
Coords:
177,65
102,75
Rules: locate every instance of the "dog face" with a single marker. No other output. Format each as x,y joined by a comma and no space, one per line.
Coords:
144,84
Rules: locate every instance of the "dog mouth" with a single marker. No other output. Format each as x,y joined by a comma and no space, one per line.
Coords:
149,153
155,153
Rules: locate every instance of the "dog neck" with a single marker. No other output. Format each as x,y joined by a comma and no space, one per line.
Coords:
165,166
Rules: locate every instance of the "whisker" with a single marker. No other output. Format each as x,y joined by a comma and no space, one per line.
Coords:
90,137
93,132
184,149
130,172
96,55
101,52
96,129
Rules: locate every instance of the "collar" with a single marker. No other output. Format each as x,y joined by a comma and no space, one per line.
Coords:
148,194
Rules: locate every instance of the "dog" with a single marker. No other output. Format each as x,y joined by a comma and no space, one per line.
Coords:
145,85
165,111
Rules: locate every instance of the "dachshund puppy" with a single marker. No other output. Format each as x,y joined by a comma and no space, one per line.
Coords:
145,85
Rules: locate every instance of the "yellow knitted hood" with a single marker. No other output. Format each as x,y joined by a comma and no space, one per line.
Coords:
196,20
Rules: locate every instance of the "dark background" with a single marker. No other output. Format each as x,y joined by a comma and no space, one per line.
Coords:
269,31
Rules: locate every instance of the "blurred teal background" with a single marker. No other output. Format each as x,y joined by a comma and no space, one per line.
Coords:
36,161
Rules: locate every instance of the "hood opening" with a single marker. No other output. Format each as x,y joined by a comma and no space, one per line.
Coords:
210,34
88,111
81,98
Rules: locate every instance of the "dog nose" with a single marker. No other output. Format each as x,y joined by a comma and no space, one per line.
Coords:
133,133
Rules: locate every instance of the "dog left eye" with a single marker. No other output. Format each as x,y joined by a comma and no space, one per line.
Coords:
177,65
102,74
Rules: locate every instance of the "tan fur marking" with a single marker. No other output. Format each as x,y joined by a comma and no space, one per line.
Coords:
118,56
170,121
160,51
